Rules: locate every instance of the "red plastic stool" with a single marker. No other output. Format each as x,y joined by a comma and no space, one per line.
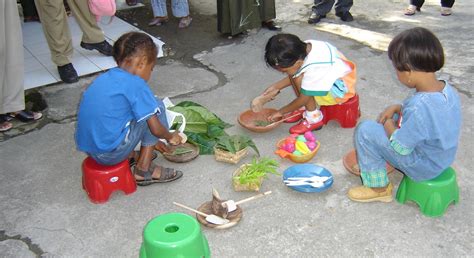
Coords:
100,181
346,113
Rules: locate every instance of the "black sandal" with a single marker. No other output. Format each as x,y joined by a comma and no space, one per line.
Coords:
167,175
132,161
25,116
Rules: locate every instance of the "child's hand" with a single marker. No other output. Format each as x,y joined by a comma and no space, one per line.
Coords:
161,147
275,116
388,113
175,138
272,91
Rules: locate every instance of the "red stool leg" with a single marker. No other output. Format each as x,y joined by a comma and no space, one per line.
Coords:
346,114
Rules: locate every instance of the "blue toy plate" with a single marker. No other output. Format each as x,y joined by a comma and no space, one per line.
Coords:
308,170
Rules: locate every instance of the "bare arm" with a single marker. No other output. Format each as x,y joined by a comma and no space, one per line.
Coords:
158,130
295,104
279,85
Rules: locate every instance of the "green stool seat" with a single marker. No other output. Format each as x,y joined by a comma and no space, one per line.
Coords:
432,196
173,235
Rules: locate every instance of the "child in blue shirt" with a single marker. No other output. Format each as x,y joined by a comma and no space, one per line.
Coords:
119,110
420,136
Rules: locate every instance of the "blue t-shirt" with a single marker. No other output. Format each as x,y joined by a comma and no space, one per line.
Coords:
107,107
429,131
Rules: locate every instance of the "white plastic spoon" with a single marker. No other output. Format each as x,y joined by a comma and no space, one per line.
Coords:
209,217
313,178
232,206
301,183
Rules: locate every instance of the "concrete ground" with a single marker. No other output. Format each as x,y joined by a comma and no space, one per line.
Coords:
45,212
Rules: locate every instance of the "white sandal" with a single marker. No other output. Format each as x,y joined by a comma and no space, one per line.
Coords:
446,11
411,10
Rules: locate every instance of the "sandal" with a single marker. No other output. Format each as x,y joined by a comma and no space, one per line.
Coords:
167,175
5,126
158,21
26,116
446,11
411,10
185,22
136,154
350,163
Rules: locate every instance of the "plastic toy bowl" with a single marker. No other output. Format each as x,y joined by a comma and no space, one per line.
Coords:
248,120
297,158
308,170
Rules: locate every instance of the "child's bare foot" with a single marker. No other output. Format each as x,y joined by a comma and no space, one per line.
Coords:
155,174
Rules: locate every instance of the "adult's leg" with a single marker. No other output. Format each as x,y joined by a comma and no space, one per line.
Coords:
56,30
343,6
417,3
159,8
29,10
91,32
11,59
447,3
267,10
322,7
180,8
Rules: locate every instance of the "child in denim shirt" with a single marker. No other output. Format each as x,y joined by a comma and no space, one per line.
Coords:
420,136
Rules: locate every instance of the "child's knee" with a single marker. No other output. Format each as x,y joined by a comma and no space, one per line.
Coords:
368,129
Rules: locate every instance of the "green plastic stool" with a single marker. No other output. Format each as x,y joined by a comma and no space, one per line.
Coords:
174,235
432,196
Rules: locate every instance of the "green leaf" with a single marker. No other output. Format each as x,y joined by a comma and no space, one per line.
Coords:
204,142
256,169
194,121
236,143
208,117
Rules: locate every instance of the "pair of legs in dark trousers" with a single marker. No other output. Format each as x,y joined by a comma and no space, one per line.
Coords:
322,7
419,3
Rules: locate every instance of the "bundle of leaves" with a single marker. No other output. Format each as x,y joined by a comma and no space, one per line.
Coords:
258,168
235,143
202,126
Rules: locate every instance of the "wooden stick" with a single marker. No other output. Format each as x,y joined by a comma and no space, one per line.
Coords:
284,119
191,209
253,197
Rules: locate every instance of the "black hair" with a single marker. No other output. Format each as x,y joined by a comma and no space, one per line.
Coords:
416,49
132,44
283,50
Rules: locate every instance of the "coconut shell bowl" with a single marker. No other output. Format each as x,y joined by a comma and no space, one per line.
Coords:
257,122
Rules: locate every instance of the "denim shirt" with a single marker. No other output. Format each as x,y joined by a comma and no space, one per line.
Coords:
429,130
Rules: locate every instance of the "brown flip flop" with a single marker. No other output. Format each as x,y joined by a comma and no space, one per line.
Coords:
350,163
167,175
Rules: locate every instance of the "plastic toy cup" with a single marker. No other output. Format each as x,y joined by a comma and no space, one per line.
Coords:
173,235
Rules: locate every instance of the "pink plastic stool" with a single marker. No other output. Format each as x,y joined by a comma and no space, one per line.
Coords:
100,181
346,113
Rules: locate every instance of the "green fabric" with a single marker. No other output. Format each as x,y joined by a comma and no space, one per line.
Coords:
314,93
236,16
375,178
400,149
